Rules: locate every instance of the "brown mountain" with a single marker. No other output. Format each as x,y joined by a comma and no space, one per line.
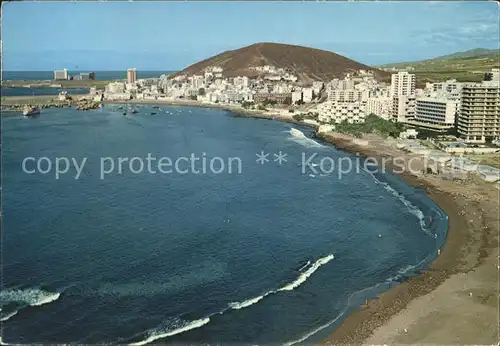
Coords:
308,64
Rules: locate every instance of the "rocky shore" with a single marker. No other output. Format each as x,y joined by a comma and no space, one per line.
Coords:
17,103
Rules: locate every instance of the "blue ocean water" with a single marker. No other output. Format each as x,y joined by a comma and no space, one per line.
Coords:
273,254
99,75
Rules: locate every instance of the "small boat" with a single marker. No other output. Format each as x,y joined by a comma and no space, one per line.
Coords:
31,111
153,113
135,111
124,113
156,107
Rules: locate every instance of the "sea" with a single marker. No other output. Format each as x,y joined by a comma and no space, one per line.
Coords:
99,75
49,75
244,244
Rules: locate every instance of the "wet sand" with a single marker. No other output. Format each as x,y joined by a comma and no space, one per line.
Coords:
455,301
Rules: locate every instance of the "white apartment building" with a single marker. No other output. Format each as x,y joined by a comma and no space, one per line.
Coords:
197,81
61,74
307,94
348,95
479,115
296,96
341,84
446,87
436,111
380,106
337,112
402,93
115,87
403,108
317,86
241,81
282,88
402,83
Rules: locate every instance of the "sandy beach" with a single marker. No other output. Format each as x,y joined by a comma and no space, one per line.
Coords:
456,300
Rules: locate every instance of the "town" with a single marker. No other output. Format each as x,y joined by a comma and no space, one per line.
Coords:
470,107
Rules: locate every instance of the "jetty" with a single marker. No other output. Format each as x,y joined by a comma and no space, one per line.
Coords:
17,103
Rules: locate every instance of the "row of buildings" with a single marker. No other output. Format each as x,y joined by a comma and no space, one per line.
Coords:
64,75
471,107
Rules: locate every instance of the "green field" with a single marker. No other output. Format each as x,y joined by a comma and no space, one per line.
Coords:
461,68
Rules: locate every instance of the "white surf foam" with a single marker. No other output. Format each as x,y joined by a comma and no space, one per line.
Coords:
29,296
296,283
1,342
248,302
303,276
304,266
7,316
409,206
160,334
300,138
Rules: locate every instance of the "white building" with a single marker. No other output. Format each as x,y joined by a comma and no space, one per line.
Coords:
348,95
61,74
403,108
197,81
403,96
402,83
296,96
307,94
115,87
436,111
479,115
241,81
337,112
345,83
317,86
380,106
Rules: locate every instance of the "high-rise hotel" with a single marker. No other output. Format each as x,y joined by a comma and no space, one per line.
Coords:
403,96
479,116
131,75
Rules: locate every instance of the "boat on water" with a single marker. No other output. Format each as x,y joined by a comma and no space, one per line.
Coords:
153,113
31,111
135,111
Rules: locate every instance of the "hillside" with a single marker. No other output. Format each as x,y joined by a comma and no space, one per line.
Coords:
463,66
308,64
477,52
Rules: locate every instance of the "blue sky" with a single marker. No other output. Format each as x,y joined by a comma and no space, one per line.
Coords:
172,35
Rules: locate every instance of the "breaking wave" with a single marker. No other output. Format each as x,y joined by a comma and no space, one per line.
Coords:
300,138
159,333
29,296
409,206
21,298
162,332
5,317
289,287
303,277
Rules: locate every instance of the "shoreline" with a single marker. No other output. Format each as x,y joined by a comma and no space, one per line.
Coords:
370,323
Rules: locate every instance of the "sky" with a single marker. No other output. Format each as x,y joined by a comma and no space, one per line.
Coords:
172,35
